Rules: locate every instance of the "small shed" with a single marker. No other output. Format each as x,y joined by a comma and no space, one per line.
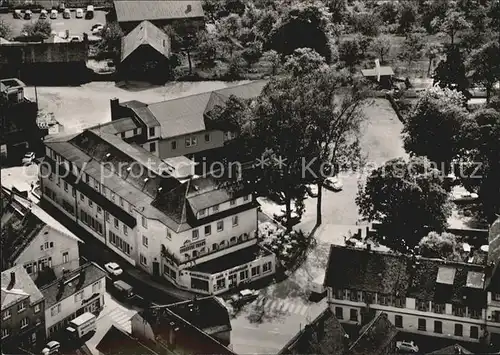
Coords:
383,75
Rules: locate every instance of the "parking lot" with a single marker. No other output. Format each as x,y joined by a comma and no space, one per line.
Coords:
74,26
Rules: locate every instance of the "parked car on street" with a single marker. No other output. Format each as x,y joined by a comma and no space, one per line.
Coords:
406,347
43,14
113,268
52,347
244,296
28,14
17,14
333,183
28,158
312,190
53,14
79,13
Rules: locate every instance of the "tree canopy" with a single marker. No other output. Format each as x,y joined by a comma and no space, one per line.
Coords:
408,198
441,246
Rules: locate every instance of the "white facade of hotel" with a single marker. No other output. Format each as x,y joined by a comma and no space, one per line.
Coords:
142,245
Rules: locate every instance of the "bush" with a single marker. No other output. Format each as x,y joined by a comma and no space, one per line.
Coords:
5,29
41,28
367,24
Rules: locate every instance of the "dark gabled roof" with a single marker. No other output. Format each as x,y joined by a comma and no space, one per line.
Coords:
323,336
375,337
207,313
118,342
63,288
145,33
451,350
127,11
22,288
116,127
404,276
188,337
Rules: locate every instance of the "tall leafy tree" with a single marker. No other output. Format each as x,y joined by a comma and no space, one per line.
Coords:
407,17
350,53
412,48
303,61
434,127
494,15
41,28
5,29
381,46
308,24
432,51
441,246
452,24
408,199
111,39
484,63
451,72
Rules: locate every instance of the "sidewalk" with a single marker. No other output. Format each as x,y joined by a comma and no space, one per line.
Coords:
94,250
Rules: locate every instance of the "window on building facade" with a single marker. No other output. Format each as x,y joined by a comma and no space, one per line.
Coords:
202,212
382,299
423,305
215,208
134,131
65,186
459,330
24,322
65,256
474,332
79,296
195,234
96,286
267,267
73,192
99,210
208,229
220,226
58,181
232,202
438,326
5,332
422,324
339,294
399,302
106,216
244,275
475,313
255,270
353,315
173,144
144,222
121,201
169,235
353,296
116,223
125,230
145,241
82,197
21,307
191,141
235,221
151,131
438,308
144,261
458,311
7,314
207,137
54,311
91,203
246,198
496,296
398,321
339,312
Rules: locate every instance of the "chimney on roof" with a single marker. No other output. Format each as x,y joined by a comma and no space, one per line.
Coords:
115,108
12,280
189,8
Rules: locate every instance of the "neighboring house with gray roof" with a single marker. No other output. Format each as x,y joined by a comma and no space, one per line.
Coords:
180,126
79,291
23,311
420,295
145,54
186,16
493,283
34,239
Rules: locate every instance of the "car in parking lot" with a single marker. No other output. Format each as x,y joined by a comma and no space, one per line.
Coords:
43,14
17,14
28,158
244,296
79,13
66,14
28,15
333,183
89,14
113,268
407,347
53,14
